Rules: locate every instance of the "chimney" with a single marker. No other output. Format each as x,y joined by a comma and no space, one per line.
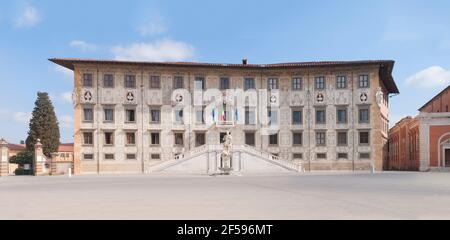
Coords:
244,61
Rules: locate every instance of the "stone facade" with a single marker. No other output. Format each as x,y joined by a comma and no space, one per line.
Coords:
98,155
4,158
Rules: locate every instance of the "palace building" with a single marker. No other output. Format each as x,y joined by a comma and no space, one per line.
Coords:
144,117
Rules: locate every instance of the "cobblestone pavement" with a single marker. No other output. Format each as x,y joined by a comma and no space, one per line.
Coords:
308,196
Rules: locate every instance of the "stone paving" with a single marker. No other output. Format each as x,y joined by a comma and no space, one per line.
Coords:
392,195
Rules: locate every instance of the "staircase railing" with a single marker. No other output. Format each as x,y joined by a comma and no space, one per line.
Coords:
215,148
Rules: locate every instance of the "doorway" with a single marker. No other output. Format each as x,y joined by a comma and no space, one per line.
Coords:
447,157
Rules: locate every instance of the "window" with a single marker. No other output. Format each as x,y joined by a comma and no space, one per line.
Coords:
109,156
297,156
320,139
178,115
341,116
364,137
179,139
273,139
249,83
130,81
88,114
108,81
200,139
319,83
342,156
131,156
364,115
130,138
363,81
130,115
272,83
155,116
224,83
297,117
341,82
321,156
155,157
364,155
249,117
155,82
296,84
297,139
200,116
88,138
109,138
250,138
87,80
88,156
342,138
109,114
154,138
320,116
199,83
178,82
272,117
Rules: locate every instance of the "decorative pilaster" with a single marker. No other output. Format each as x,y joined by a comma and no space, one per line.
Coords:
39,160
4,160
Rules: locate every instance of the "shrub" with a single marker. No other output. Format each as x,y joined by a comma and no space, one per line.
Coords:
21,172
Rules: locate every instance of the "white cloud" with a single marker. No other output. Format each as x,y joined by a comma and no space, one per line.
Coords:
83,46
66,97
434,76
154,27
29,17
22,117
66,121
165,50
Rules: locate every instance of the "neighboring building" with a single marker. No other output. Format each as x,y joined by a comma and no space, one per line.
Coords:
422,143
13,150
161,116
64,157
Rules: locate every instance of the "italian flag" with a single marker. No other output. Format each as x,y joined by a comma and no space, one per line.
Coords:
222,113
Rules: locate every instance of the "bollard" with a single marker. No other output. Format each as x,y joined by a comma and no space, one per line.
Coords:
70,172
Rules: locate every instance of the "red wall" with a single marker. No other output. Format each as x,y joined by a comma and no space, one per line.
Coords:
435,133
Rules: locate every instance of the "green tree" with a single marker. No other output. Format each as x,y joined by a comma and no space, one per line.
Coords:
43,126
22,158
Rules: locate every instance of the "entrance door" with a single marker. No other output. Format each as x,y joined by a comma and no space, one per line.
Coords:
447,157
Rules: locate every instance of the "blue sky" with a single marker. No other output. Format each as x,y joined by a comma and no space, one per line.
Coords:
413,33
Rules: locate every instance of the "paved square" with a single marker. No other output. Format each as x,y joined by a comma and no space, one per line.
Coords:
309,196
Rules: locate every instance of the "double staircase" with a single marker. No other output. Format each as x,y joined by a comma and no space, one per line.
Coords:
216,152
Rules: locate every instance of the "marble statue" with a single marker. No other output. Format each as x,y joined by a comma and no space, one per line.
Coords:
225,157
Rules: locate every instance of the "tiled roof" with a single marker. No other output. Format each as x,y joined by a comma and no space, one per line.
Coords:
65,147
16,147
386,66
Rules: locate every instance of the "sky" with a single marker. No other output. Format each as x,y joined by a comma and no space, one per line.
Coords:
413,33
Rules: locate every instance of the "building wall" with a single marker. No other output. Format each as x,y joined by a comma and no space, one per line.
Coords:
404,145
306,99
438,134
440,103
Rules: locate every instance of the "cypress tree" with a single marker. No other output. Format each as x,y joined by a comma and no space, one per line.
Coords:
43,126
